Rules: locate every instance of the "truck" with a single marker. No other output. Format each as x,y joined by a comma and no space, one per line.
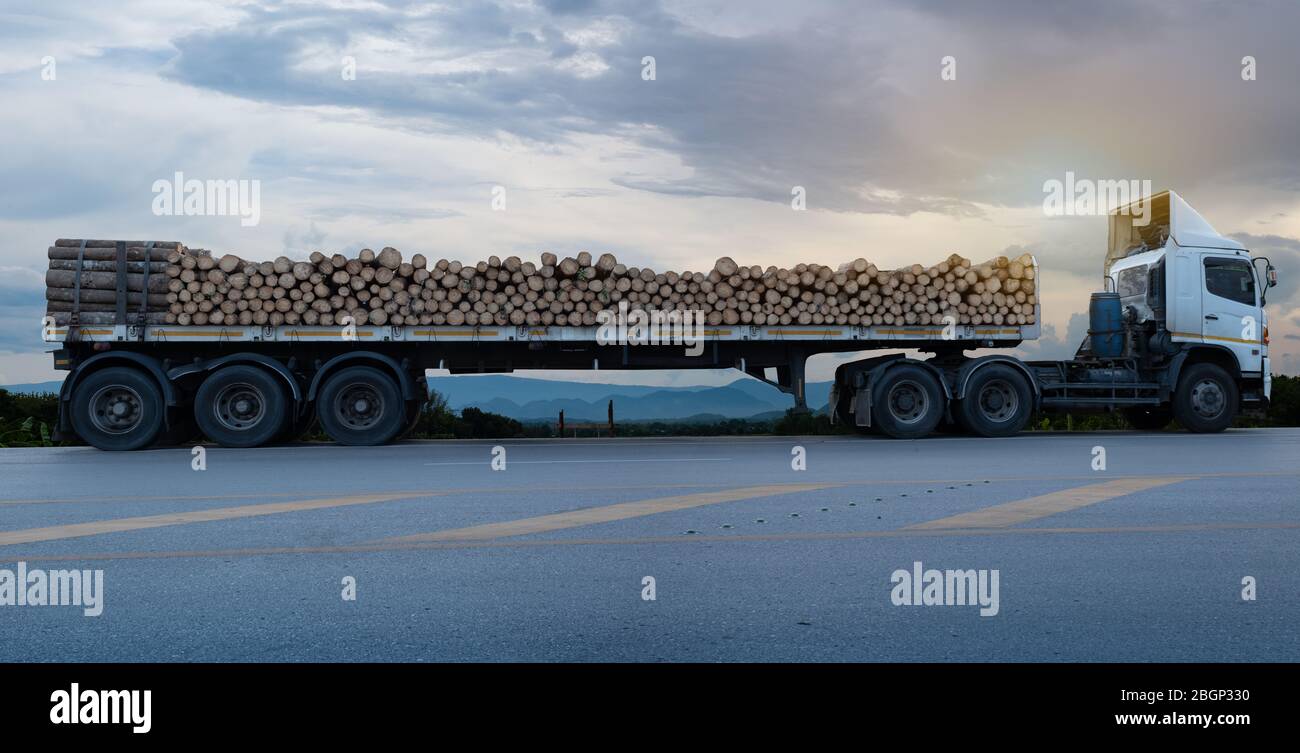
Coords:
1178,331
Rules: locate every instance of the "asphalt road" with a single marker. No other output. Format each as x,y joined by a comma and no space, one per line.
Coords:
752,559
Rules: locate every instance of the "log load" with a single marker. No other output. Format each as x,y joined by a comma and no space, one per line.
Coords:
184,286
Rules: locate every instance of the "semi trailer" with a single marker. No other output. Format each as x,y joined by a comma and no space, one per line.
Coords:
1178,331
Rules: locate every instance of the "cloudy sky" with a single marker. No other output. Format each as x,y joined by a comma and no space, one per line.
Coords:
547,98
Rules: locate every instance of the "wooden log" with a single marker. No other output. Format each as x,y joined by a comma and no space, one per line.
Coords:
91,295
389,258
58,278
155,267
133,253
106,318
75,243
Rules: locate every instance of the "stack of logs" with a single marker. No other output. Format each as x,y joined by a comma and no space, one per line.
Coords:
193,287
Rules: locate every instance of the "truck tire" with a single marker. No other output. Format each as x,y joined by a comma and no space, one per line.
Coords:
998,402
241,406
117,409
906,403
361,406
1206,399
1150,418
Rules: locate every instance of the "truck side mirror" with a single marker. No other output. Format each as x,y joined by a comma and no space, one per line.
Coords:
1270,276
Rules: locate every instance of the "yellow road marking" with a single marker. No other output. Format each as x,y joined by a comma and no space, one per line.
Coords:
1021,511
76,530
592,515
441,491
645,541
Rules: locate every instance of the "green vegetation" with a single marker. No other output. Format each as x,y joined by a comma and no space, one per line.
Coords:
27,420
437,421
730,427
805,424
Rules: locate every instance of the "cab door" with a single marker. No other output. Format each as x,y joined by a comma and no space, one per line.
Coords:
1230,308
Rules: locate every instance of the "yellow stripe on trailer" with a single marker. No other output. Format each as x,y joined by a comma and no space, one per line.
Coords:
62,332
198,333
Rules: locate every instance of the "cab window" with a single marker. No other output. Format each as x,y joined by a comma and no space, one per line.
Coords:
1230,278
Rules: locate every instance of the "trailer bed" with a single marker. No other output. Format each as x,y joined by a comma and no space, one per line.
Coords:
870,336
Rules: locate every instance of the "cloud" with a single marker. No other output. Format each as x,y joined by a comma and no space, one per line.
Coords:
749,100
840,102
1051,347
22,305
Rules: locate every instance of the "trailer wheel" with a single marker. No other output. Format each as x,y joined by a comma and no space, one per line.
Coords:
1206,399
997,403
1151,418
241,406
907,402
361,406
117,408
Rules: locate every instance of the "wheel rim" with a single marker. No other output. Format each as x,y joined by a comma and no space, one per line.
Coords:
908,402
998,401
359,406
240,406
1208,399
116,409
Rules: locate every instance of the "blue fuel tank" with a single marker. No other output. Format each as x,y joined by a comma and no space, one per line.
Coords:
1106,325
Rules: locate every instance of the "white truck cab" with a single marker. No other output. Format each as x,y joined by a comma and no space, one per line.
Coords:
1171,267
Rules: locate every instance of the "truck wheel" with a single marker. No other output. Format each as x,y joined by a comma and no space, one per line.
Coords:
1206,399
241,406
361,405
1152,418
907,403
117,408
998,402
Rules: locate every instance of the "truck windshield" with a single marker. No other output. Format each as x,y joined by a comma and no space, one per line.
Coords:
1132,281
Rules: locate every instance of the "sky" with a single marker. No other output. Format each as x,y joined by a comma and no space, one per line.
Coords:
913,129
